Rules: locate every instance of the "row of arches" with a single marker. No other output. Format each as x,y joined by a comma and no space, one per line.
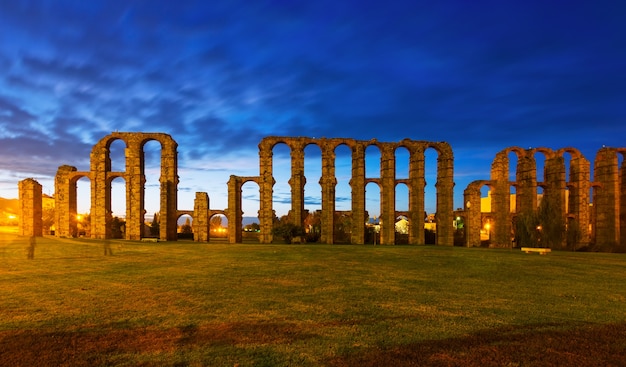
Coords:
386,180
101,176
521,178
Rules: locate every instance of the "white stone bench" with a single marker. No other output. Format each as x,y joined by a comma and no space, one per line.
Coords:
149,239
540,250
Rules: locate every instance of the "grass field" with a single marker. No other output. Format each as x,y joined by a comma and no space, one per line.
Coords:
189,304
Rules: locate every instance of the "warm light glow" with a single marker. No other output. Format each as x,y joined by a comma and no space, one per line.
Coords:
487,226
79,217
11,216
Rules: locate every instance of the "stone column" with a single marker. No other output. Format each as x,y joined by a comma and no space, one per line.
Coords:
387,194
100,190
473,224
30,220
201,217
606,197
65,202
500,201
234,214
357,184
266,185
526,178
328,182
135,181
169,189
416,195
445,195
579,195
297,182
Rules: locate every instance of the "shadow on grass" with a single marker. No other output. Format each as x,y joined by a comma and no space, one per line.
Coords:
534,345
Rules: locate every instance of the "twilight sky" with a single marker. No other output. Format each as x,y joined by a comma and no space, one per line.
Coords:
220,75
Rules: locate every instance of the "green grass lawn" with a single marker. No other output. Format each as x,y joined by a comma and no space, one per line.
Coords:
188,304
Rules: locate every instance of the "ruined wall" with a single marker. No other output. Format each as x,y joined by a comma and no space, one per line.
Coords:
101,176
609,197
201,222
555,186
386,181
30,219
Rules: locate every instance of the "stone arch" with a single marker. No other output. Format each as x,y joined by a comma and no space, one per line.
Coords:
66,202
234,212
101,176
472,209
328,181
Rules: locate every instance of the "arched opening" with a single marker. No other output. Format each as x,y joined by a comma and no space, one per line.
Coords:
402,230
486,230
117,155
372,208
402,198
152,186
430,196
512,166
540,162
218,227
343,173
117,209
83,207
250,204
312,173
568,188
184,227
281,170
372,161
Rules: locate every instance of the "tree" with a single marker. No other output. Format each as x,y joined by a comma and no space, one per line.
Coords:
155,227
117,228
552,231
215,223
543,228
186,228
287,231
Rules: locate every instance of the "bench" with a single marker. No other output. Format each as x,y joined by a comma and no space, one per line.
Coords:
149,239
540,250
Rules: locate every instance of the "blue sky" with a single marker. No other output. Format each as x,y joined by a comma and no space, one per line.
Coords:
220,75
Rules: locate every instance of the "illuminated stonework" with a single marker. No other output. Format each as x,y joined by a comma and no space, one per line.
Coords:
100,175
30,220
387,183
604,222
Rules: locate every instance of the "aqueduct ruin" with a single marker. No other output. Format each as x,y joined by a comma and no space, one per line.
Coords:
386,181
599,206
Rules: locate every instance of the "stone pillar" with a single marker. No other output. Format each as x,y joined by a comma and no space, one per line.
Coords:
606,199
555,182
297,182
579,195
266,186
234,211
201,217
445,195
135,181
100,190
357,184
473,219
328,182
387,195
501,201
417,186
30,221
169,188
526,178
65,202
